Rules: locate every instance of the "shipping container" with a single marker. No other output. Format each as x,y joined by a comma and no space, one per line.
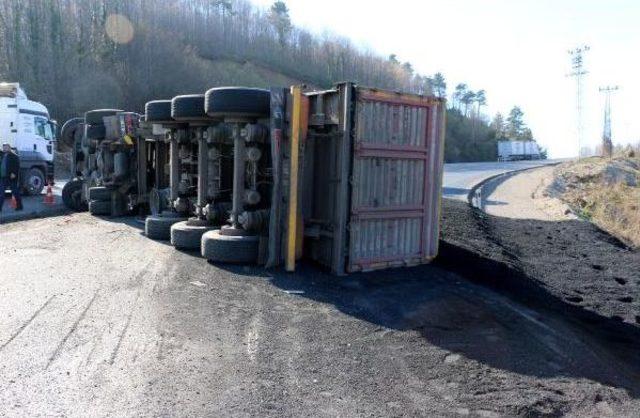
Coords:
531,149
369,178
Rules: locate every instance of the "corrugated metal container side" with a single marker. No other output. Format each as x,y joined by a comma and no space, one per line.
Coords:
396,180
532,148
376,159
518,148
504,149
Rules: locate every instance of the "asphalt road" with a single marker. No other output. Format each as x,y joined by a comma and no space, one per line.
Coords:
460,178
34,206
98,320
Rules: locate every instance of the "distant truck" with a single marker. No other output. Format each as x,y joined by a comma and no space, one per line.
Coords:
26,126
518,151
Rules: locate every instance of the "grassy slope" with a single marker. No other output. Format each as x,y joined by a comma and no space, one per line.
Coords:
247,73
606,192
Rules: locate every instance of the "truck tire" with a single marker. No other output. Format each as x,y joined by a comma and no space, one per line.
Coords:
158,111
96,132
94,117
33,182
100,208
188,237
238,102
230,249
72,196
188,108
68,132
100,193
159,227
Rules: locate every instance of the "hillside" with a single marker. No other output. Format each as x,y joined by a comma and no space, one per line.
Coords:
80,54
604,191
248,73
76,55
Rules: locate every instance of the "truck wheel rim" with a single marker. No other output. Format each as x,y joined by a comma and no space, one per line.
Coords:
34,183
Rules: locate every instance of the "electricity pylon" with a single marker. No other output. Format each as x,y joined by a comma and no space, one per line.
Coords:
607,144
578,73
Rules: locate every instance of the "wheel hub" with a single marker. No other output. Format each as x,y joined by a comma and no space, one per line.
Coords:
34,183
231,231
198,222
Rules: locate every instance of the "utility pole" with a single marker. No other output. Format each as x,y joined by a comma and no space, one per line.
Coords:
578,73
607,144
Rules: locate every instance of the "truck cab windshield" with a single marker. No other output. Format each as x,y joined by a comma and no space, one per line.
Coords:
43,128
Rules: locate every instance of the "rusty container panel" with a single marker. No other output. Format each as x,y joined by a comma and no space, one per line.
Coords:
396,180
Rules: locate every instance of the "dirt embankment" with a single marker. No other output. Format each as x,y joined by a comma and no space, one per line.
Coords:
570,265
604,191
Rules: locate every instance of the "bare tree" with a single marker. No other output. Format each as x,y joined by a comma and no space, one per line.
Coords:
64,54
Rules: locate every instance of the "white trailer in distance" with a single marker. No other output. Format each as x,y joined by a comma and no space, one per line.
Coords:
518,151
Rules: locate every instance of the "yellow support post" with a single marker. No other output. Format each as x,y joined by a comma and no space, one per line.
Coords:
296,132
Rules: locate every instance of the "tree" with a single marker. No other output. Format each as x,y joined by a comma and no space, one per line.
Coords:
393,59
458,94
515,123
544,154
439,85
498,125
526,135
481,100
467,98
516,127
423,85
279,17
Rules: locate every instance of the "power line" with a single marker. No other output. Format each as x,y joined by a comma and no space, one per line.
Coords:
578,73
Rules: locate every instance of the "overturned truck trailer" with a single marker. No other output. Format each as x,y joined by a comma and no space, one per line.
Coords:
349,178
357,178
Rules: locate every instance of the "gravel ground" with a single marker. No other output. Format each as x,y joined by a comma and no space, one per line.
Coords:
524,196
569,266
98,320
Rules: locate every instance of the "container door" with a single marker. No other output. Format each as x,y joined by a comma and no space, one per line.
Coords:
396,180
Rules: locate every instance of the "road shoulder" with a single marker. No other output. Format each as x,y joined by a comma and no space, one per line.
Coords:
524,195
35,207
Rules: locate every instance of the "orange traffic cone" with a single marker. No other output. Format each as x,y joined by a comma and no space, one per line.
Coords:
49,199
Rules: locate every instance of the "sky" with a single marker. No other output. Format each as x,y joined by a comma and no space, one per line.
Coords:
516,50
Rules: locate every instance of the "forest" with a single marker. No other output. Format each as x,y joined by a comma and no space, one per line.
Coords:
76,55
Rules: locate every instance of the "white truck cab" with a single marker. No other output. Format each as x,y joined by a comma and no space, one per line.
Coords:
26,126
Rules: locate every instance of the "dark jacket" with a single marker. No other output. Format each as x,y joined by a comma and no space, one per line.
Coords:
13,164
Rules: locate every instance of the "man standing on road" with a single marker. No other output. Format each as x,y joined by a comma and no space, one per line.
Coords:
9,170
